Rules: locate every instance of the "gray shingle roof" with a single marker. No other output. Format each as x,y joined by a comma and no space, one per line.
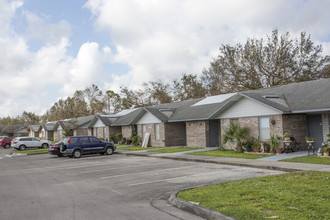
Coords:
296,97
129,118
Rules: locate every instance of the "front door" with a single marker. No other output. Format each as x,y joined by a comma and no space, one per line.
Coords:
214,132
315,129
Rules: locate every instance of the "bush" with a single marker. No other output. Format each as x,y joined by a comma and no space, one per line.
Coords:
119,136
136,140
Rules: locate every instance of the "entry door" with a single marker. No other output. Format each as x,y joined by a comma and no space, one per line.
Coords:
315,129
214,132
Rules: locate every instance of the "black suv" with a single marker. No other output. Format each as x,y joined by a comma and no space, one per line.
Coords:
77,146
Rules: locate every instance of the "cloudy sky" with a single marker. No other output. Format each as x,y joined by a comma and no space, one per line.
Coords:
49,49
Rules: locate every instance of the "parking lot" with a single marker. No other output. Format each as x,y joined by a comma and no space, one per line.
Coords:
103,187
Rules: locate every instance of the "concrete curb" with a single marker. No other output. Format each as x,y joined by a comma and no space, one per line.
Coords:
196,209
285,169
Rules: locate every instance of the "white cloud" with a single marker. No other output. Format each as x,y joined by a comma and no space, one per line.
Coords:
162,39
33,81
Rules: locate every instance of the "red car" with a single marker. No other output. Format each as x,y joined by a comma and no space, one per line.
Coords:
6,142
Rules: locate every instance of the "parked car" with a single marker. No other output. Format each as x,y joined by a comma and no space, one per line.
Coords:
54,149
26,142
1,137
6,142
77,146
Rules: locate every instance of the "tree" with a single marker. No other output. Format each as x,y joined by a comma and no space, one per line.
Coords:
157,92
30,118
237,134
113,102
263,63
188,87
95,99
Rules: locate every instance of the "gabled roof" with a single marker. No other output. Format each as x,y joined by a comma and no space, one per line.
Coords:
105,119
81,122
129,118
34,128
296,97
49,126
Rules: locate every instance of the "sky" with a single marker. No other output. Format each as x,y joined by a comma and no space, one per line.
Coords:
49,49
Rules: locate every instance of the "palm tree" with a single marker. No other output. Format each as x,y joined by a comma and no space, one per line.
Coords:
237,134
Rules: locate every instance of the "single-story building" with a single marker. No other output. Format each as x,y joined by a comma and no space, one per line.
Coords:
34,130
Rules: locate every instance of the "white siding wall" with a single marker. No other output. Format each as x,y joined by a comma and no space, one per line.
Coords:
247,108
325,125
148,118
98,124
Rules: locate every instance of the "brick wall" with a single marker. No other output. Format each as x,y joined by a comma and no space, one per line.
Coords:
251,122
197,133
174,134
150,128
127,131
297,126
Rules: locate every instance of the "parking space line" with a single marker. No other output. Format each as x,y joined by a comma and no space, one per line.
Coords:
116,168
174,178
152,171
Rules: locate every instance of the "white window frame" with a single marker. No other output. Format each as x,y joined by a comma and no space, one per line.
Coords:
264,128
157,132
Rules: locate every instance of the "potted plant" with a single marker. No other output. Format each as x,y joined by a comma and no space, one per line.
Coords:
266,146
257,145
249,144
274,142
326,150
286,136
310,140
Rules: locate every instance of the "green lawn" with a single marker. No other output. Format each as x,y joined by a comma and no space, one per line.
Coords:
310,159
302,195
175,149
136,148
230,153
36,151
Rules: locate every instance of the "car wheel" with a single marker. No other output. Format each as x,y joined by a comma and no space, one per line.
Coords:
44,145
76,154
22,147
7,146
109,151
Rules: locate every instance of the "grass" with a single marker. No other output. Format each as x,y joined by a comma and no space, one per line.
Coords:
229,153
175,149
137,148
36,151
309,159
303,195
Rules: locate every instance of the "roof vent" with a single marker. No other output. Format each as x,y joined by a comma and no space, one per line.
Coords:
270,96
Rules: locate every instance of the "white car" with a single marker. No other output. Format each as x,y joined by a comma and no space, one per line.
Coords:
21,143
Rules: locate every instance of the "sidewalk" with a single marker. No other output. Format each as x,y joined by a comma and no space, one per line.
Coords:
262,164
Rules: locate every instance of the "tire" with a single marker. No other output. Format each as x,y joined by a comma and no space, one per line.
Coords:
108,151
44,145
7,146
76,153
22,147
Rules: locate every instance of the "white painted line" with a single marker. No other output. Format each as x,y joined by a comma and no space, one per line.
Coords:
116,168
115,191
174,178
8,155
152,171
1,158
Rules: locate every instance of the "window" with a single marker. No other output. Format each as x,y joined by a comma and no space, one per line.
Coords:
35,139
94,140
73,140
84,140
157,136
96,132
144,129
264,128
104,133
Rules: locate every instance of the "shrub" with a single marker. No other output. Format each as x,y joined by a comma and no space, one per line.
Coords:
136,140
